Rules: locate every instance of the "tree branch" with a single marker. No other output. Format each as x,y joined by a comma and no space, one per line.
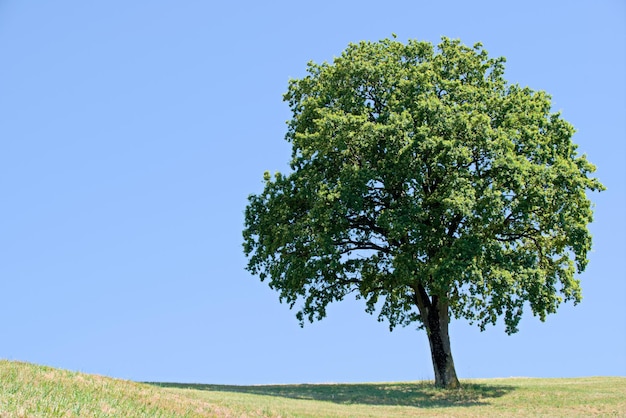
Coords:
360,245
422,301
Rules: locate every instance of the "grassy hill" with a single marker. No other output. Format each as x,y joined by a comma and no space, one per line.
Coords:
28,390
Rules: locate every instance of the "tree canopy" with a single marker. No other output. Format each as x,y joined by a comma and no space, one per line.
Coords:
425,184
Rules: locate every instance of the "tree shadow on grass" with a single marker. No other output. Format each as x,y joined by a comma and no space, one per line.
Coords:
416,394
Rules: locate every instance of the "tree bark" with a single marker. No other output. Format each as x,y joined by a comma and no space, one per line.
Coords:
435,317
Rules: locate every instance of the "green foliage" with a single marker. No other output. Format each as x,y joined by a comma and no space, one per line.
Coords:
419,167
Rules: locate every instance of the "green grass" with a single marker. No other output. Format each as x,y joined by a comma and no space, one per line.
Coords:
27,390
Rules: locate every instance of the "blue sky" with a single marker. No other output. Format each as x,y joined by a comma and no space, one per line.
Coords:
132,132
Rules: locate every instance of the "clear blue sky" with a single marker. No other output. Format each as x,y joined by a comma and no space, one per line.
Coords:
131,133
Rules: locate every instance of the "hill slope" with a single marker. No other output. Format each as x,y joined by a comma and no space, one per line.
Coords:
28,390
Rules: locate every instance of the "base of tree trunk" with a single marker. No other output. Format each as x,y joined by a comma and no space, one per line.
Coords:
436,319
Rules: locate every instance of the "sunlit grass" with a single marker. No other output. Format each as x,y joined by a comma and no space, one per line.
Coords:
27,390
598,396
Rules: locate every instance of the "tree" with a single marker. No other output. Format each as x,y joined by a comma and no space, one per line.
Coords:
425,184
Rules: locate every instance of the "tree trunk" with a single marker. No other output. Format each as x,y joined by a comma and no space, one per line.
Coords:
436,318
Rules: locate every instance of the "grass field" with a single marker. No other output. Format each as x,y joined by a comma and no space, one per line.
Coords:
28,390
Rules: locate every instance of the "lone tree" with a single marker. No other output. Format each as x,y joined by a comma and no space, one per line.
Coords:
427,185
